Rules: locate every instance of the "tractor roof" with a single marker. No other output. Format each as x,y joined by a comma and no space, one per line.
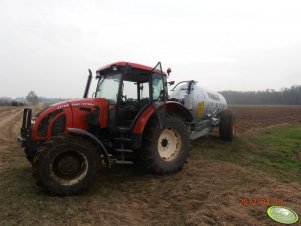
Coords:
134,65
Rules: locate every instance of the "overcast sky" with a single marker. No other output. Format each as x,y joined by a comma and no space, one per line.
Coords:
48,46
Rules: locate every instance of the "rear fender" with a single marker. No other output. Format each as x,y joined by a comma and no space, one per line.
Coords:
171,107
180,109
143,119
100,147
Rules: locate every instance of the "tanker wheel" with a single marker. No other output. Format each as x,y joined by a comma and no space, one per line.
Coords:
166,150
65,165
227,125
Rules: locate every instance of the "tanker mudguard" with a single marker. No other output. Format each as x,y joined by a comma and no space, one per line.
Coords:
95,140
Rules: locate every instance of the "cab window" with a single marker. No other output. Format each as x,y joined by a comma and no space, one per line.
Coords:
130,90
157,85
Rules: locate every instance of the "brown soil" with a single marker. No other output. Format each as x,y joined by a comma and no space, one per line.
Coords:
9,126
205,192
251,118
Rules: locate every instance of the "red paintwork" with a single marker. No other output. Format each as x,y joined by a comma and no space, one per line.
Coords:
75,117
52,121
79,115
134,65
66,110
143,119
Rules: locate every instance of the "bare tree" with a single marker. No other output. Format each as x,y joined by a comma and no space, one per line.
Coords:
32,98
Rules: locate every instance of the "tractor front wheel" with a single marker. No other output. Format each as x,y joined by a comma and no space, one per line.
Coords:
65,165
166,150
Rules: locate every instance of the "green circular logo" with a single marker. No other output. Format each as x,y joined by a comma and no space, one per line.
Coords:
282,214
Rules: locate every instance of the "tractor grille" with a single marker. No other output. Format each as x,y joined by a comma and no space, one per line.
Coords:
58,126
43,127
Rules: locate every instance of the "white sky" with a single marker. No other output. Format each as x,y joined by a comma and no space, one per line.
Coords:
47,46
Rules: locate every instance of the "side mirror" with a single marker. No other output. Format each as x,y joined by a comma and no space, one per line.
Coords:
168,71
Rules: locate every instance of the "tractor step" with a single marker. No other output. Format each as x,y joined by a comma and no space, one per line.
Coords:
124,162
123,150
122,139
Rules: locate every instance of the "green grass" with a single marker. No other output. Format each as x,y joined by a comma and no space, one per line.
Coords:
276,151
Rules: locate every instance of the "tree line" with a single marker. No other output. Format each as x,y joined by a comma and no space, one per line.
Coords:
286,96
31,99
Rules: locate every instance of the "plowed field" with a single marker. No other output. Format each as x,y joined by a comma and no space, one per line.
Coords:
207,191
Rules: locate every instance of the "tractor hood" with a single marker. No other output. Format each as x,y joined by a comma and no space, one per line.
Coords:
81,108
68,104
58,117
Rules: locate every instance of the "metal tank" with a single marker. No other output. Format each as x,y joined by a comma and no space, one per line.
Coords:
202,103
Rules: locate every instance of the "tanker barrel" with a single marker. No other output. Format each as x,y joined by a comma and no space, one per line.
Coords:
200,101
189,85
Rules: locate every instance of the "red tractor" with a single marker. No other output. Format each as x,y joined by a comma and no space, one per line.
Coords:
129,119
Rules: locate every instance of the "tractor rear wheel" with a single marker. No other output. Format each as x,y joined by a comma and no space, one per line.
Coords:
166,150
65,165
227,125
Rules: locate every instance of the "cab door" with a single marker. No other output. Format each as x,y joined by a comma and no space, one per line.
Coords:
158,93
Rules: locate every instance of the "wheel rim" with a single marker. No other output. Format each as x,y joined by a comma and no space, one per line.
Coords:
69,168
169,144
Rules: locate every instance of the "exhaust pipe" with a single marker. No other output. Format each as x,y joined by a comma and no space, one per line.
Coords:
88,84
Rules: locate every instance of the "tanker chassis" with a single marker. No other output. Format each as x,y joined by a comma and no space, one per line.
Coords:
130,119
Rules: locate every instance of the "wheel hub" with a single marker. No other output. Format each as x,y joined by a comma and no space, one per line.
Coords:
169,144
69,168
69,165
164,143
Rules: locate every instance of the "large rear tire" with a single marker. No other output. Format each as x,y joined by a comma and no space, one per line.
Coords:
166,150
65,165
227,125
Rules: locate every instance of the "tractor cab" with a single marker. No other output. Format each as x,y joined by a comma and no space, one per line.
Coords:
130,89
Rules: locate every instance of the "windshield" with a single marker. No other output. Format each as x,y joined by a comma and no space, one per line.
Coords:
108,87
